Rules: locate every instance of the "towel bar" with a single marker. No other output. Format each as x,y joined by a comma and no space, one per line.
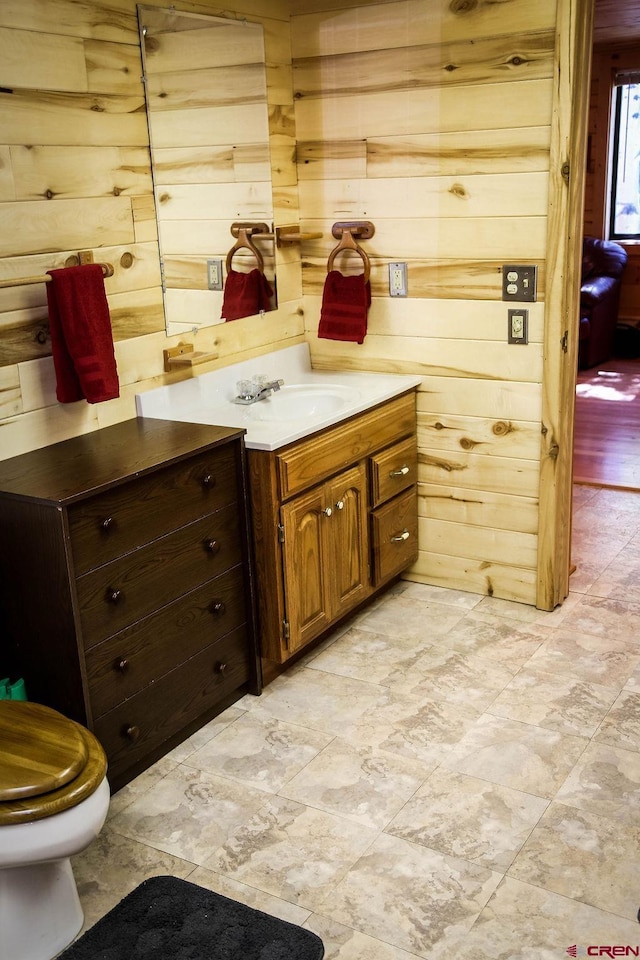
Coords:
107,271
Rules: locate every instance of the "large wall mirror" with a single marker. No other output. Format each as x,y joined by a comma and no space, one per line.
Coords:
206,91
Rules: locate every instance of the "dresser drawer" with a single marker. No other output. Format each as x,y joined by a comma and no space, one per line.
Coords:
149,507
393,470
125,590
124,664
394,535
142,723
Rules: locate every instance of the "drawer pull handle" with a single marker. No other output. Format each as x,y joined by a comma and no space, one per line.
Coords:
122,665
400,537
218,607
132,732
340,505
327,512
402,472
213,546
114,595
107,523
221,668
208,481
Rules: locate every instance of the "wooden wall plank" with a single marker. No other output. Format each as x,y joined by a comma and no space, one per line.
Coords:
75,172
40,61
37,226
477,576
324,27
517,478
72,119
434,110
493,438
481,508
484,61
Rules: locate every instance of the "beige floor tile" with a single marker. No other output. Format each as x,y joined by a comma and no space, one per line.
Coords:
445,674
555,702
524,922
263,753
585,857
413,619
361,784
292,851
587,657
605,780
367,655
484,634
602,617
467,817
188,813
345,943
517,755
412,897
621,726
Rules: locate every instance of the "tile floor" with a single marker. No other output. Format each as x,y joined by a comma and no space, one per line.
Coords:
451,777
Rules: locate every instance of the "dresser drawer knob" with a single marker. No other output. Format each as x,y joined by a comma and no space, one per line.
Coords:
221,668
107,523
340,505
327,512
122,664
402,472
208,481
400,537
218,607
132,732
114,595
213,546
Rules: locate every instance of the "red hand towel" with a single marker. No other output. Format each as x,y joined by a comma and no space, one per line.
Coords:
81,337
345,306
245,294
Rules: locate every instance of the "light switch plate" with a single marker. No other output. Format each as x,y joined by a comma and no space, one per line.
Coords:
518,331
519,282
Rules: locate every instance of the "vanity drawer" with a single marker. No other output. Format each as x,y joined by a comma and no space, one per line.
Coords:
149,507
393,470
141,654
141,724
394,536
309,461
125,590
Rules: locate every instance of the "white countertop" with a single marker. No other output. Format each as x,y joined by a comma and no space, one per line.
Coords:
310,400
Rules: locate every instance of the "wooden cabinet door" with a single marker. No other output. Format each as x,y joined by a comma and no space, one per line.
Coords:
306,576
347,550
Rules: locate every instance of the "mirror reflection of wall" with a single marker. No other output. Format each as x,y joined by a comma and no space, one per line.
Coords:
206,92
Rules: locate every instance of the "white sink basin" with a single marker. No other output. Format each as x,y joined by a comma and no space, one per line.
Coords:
299,401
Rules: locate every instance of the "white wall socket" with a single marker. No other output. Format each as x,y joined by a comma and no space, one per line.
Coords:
398,279
214,274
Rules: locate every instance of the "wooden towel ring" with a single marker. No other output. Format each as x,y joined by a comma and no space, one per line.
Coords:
244,242
348,243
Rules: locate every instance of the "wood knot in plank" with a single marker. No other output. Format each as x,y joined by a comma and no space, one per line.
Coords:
450,67
501,429
467,444
458,191
460,7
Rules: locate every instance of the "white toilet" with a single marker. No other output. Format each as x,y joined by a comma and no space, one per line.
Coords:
54,798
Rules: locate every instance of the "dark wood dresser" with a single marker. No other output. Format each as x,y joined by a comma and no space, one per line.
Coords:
126,594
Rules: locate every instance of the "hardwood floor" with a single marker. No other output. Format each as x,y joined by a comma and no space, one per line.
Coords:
607,426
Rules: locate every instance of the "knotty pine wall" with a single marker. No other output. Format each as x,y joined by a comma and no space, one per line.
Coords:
433,121
75,175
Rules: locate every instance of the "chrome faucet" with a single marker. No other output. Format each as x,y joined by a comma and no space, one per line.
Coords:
251,391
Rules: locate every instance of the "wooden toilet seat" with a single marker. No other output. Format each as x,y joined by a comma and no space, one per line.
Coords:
48,762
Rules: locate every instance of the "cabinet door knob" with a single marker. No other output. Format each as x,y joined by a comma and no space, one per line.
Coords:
114,595
327,511
132,732
400,537
221,668
340,505
213,546
107,523
402,472
122,665
208,481
218,607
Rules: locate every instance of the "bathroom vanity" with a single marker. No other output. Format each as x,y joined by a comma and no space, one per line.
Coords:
332,482
127,591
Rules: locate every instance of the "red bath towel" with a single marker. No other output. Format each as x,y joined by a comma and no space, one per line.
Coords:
81,337
345,307
245,294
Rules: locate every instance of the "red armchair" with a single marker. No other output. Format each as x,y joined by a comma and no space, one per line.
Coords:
603,264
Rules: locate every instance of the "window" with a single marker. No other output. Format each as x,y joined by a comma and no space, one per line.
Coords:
624,221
